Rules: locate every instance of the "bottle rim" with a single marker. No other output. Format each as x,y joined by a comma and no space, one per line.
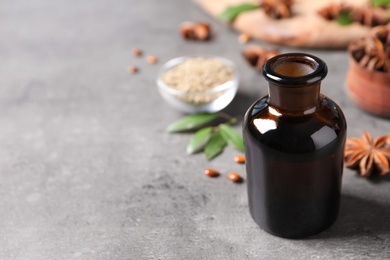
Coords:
319,67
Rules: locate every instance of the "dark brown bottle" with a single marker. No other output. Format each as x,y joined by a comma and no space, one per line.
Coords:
294,142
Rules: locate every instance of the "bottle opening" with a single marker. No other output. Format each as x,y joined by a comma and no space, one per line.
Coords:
294,69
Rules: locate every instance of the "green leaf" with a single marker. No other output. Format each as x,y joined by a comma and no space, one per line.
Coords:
377,3
344,18
230,13
215,145
232,137
191,122
199,140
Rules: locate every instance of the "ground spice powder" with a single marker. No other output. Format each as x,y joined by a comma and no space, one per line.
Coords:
197,75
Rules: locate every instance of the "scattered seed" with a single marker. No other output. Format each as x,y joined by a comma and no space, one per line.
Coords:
211,172
151,59
133,69
244,38
234,177
136,52
239,158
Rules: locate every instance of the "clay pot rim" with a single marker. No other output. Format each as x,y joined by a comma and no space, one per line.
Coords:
359,91
353,61
376,73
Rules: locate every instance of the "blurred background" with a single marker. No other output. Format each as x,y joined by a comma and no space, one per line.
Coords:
88,171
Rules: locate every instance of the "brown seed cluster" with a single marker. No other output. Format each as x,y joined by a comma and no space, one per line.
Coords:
232,176
137,52
369,16
277,9
197,31
373,51
256,56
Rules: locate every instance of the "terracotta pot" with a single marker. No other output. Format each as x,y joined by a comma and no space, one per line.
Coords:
369,89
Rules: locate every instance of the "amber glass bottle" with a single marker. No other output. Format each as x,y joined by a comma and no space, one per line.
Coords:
294,142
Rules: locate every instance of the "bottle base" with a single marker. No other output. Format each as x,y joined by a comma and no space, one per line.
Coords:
297,235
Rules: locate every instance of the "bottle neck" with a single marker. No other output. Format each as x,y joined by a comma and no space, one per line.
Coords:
293,98
294,81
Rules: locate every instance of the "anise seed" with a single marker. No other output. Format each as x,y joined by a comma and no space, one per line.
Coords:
133,69
136,52
211,172
151,59
239,159
234,177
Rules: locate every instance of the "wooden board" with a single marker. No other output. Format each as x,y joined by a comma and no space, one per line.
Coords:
305,29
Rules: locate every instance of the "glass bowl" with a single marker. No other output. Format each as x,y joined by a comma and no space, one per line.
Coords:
212,100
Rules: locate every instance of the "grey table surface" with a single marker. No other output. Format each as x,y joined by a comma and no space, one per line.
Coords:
87,170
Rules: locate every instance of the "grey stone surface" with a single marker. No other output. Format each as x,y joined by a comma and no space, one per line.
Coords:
87,170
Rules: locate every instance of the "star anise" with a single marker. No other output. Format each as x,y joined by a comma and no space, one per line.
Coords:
369,155
197,31
277,9
373,51
331,11
256,56
369,16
